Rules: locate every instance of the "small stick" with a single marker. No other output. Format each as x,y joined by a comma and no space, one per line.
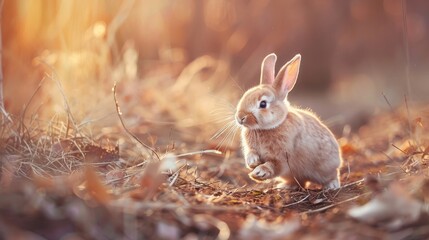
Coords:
335,204
387,101
297,202
118,110
199,152
399,149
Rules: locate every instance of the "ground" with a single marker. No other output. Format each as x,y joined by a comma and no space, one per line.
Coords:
62,183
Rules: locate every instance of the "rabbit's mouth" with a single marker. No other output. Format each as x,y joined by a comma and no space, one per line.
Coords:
246,119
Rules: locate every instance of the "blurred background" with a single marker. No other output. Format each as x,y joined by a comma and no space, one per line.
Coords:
206,52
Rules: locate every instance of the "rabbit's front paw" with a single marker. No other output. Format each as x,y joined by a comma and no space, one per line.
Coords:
262,172
252,160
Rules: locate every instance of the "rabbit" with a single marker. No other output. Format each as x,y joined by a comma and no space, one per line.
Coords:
280,140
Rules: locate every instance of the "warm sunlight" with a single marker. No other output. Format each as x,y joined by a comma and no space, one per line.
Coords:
214,119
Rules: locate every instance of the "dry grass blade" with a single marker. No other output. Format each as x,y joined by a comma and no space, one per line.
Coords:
70,117
171,179
118,110
21,126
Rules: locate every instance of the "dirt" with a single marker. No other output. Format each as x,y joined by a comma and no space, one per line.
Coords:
108,191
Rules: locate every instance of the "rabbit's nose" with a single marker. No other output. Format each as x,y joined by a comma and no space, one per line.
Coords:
241,118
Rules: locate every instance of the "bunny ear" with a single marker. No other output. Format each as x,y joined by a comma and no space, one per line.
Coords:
286,78
267,69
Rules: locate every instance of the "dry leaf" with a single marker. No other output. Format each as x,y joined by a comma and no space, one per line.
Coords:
254,228
149,181
95,187
392,208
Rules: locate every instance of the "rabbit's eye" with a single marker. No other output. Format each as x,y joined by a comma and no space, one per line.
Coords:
263,104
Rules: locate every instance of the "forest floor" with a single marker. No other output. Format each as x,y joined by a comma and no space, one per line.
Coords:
58,183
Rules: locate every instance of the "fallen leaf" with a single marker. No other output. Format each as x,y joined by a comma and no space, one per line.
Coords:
149,181
254,228
95,187
391,208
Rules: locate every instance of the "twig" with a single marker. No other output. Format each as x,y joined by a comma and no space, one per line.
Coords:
175,176
334,204
399,149
297,202
387,101
118,110
199,152
353,183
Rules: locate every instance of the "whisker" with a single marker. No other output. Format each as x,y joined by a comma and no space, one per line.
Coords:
224,120
222,110
222,142
224,103
224,114
235,128
222,130
227,130
229,133
219,132
222,117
